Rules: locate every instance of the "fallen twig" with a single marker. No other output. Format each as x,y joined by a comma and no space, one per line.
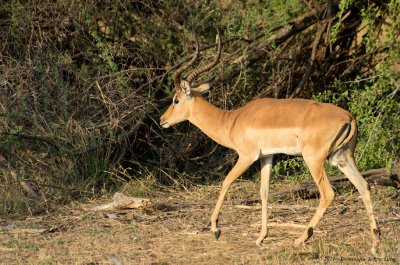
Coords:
258,207
121,201
308,189
290,225
17,230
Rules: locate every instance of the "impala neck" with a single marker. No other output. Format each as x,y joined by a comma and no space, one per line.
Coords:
214,122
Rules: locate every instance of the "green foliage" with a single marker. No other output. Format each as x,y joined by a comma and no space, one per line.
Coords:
345,189
101,42
293,168
376,105
14,18
374,100
254,14
344,6
16,244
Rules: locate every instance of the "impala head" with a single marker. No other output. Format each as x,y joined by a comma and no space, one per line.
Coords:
183,99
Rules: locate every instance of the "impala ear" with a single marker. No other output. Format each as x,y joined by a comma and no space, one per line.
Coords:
186,87
201,89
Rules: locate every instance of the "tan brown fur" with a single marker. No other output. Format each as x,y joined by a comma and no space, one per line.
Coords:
264,127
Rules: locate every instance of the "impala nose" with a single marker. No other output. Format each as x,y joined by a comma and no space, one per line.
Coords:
163,123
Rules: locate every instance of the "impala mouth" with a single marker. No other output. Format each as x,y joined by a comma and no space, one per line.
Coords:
164,124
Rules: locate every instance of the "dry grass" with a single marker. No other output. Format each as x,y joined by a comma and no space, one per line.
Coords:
170,232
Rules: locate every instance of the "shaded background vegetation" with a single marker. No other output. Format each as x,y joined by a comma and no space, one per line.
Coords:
83,84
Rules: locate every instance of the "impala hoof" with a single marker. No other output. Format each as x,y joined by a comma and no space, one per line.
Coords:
301,240
217,233
258,242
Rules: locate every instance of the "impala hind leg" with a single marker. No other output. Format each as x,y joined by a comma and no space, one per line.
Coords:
266,169
317,170
348,166
241,165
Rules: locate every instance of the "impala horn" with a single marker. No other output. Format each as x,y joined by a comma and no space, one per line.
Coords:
206,67
177,75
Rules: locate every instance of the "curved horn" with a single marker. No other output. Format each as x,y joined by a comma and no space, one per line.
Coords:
177,74
206,67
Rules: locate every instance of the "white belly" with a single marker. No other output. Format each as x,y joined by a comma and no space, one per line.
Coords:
292,150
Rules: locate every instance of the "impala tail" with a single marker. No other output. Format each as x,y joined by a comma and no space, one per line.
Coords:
345,139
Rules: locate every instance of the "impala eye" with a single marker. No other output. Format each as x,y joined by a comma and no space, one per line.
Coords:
176,101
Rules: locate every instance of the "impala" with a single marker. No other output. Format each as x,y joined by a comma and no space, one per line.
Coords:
264,127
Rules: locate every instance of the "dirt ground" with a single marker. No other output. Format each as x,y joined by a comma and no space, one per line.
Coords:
171,231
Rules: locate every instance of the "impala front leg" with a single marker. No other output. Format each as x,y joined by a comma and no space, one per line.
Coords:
241,165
